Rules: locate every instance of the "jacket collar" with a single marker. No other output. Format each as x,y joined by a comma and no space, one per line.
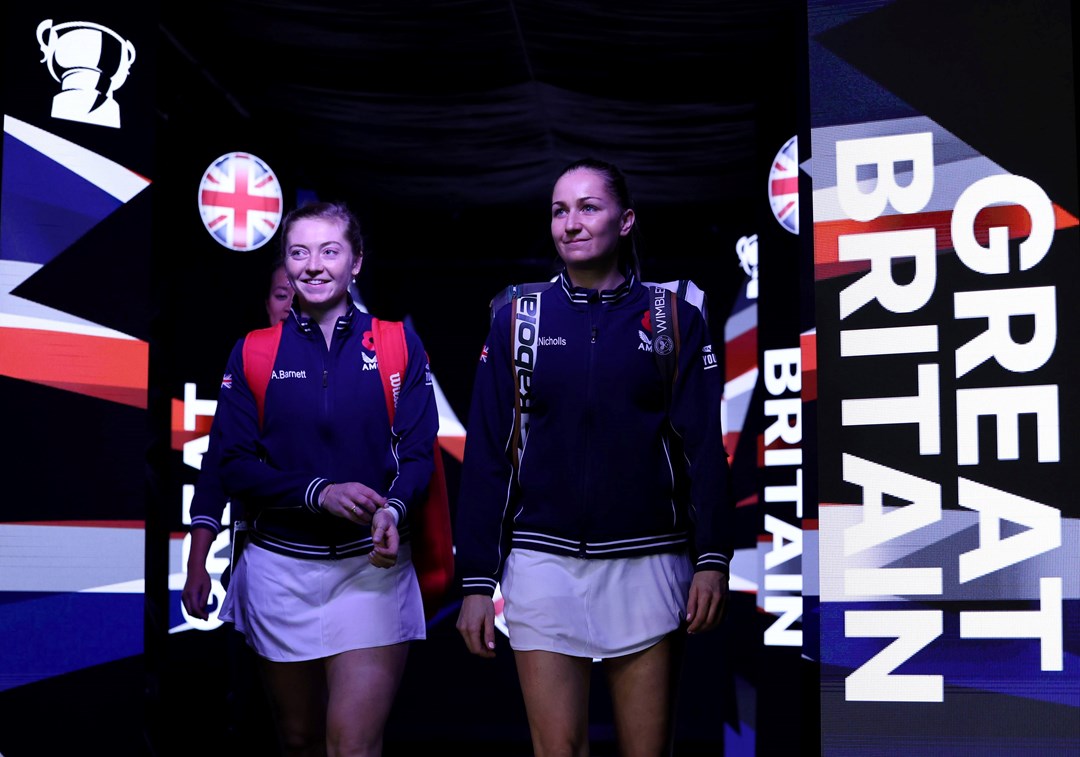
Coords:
344,321
581,294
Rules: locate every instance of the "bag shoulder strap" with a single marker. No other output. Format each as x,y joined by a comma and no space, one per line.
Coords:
695,295
392,352
664,317
515,437
514,291
259,351
687,290
513,295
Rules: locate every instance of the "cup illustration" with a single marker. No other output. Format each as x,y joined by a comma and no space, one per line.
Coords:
91,62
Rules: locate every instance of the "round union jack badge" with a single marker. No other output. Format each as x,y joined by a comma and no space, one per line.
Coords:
240,201
784,186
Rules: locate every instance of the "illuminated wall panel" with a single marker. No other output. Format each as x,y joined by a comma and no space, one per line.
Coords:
78,151
947,294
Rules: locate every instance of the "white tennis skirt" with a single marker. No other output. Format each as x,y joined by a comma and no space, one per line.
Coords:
290,609
593,608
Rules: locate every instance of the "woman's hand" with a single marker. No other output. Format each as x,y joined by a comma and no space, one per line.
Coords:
476,624
352,501
196,591
708,601
384,535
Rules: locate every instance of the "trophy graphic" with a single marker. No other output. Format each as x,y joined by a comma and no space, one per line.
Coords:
91,62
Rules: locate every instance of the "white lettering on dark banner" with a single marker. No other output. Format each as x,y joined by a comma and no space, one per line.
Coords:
193,452
983,412
783,570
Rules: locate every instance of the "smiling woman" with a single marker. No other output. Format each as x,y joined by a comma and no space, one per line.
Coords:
325,591
592,220
322,256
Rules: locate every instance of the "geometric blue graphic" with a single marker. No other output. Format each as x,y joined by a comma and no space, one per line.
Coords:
49,634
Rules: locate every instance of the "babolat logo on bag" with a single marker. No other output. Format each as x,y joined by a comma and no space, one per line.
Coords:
526,332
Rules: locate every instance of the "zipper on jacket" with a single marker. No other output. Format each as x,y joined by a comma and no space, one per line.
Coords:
593,307
329,356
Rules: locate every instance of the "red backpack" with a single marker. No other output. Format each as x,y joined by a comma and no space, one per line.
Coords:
432,536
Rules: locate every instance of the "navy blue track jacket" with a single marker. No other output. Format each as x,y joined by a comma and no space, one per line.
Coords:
325,421
603,474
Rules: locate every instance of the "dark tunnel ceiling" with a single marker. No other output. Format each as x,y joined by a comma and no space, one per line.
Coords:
479,102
